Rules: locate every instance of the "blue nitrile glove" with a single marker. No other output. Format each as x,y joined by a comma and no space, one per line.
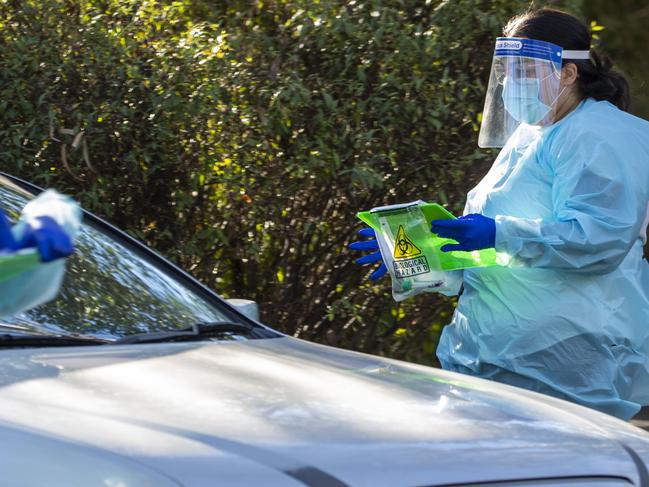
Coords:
7,242
370,258
48,237
472,232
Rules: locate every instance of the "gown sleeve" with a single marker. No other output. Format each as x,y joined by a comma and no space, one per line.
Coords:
599,205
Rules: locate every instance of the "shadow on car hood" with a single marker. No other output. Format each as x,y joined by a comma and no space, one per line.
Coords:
287,412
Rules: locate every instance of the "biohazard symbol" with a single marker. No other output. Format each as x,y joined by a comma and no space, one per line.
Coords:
404,248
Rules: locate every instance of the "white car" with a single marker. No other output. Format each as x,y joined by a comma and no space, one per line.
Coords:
137,375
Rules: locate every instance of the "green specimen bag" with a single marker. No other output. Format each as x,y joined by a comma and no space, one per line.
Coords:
14,264
412,252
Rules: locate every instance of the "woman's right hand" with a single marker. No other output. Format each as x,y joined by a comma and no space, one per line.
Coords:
375,256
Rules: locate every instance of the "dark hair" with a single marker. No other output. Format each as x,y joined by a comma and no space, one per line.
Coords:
595,78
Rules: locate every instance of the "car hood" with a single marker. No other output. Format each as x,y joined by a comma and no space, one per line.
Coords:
285,412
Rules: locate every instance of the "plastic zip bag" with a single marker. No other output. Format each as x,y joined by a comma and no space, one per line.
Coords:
412,253
40,282
15,263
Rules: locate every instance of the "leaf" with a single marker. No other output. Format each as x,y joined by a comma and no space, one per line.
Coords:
330,103
595,27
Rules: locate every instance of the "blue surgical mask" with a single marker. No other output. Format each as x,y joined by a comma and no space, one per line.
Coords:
521,99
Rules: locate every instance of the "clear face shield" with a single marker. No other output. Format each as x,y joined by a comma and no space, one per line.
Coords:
524,86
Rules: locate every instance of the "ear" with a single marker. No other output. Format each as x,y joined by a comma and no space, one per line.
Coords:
569,74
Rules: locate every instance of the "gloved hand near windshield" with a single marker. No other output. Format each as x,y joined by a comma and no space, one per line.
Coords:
48,237
42,233
49,224
7,241
472,232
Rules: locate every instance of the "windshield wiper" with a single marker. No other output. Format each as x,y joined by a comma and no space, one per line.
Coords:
48,340
24,337
196,331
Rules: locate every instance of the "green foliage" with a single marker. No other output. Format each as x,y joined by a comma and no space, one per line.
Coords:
240,138
623,35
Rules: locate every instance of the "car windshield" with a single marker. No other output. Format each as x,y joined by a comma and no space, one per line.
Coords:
110,290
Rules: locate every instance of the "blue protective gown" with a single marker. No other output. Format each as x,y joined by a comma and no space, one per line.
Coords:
568,315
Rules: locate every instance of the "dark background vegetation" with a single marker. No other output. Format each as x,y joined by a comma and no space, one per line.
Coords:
240,138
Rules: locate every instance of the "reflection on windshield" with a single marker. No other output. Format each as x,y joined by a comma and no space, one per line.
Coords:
109,291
